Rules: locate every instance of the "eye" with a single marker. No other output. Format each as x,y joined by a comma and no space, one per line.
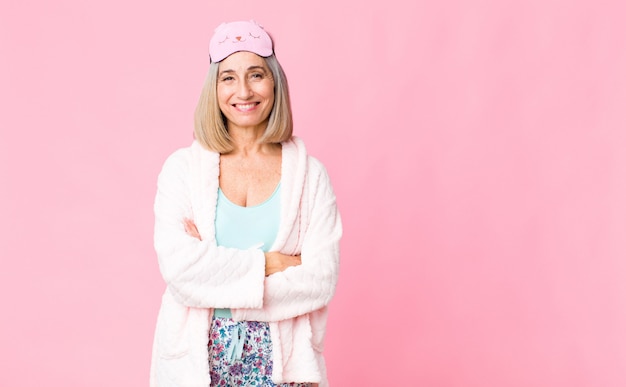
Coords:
252,36
227,78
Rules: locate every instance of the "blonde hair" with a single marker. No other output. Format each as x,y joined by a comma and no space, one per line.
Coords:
209,122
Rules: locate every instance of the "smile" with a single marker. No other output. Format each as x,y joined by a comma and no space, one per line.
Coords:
245,107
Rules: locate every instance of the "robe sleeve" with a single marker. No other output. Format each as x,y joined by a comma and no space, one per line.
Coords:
199,273
310,286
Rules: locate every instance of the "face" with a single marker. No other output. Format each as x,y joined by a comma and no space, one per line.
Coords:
245,91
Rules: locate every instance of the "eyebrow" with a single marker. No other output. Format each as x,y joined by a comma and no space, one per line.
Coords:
251,68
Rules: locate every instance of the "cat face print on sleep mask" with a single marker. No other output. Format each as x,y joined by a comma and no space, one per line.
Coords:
237,36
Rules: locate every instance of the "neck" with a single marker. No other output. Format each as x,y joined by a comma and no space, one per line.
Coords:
246,140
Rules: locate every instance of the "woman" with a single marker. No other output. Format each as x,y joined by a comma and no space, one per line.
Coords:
246,232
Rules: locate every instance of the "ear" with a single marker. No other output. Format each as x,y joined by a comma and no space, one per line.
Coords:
255,23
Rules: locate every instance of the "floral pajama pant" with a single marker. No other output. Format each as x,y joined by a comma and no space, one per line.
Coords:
240,354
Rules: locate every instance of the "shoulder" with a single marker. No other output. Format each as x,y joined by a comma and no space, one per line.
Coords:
178,165
295,149
177,161
316,166
181,159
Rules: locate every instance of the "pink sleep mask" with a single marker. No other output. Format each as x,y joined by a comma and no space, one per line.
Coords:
239,36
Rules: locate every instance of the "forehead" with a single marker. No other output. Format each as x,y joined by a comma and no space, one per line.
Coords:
241,61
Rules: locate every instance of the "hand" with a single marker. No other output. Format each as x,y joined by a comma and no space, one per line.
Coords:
276,262
191,229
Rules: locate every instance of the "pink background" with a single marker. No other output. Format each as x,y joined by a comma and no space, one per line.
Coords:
478,151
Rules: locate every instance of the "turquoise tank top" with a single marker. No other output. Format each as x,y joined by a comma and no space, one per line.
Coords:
246,227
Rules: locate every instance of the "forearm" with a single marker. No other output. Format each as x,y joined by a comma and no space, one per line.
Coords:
307,287
206,276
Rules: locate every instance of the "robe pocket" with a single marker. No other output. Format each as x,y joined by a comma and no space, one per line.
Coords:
172,328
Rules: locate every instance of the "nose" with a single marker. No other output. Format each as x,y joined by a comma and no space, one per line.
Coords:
244,91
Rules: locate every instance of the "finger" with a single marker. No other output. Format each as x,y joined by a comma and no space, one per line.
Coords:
191,229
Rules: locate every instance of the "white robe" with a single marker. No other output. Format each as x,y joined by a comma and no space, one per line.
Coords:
201,276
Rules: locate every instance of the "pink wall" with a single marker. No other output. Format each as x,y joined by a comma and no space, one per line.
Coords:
478,153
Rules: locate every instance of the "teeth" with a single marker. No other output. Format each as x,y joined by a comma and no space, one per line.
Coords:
246,106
